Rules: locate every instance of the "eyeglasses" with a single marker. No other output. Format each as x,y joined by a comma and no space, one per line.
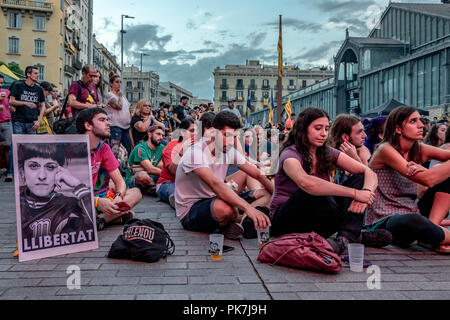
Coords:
146,105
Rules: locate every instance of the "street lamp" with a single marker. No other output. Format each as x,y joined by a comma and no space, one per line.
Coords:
140,76
121,36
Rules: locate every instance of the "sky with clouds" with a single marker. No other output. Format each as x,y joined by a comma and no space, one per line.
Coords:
187,39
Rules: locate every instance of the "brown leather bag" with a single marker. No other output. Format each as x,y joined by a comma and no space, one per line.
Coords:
303,251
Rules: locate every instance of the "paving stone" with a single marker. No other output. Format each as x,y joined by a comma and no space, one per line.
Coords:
427,295
30,292
136,289
109,297
213,288
284,296
108,281
85,290
213,280
163,297
289,287
379,295
61,282
163,280
249,279
325,296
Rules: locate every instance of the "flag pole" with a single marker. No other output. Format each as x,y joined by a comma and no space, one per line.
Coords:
280,75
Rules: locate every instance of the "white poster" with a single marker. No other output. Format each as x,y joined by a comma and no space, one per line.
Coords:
54,195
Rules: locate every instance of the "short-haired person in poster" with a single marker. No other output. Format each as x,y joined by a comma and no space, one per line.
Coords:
50,218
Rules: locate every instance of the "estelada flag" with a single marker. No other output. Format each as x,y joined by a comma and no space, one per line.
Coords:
288,108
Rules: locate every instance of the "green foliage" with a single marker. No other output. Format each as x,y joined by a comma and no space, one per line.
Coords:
14,67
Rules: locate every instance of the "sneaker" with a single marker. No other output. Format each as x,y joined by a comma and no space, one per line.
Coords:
376,239
122,219
151,192
338,244
234,231
9,178
172,201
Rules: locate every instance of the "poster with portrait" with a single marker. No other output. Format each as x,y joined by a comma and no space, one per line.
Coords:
54,195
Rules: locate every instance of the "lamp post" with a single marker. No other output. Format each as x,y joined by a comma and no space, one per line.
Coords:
121,39
140,77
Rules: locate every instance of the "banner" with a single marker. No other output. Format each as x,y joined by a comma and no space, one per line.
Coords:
54,195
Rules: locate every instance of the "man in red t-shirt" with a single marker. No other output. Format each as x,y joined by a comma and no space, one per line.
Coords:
172,153
94,123
80,97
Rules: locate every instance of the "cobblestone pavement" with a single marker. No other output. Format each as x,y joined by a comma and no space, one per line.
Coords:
190,275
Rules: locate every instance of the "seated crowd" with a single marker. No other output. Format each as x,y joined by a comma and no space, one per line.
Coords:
376,184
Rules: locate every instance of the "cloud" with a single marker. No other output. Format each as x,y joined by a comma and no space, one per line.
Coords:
296,24
321,52
144,36
256,38
342,6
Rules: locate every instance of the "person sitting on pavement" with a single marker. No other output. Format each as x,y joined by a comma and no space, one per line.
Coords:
145,162
110,205
375,133
172,153
142,120
397,163
305,200
204,202
347,135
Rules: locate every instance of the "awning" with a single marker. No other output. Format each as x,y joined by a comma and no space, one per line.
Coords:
386,108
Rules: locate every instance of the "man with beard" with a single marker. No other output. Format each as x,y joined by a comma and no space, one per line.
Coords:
114,206
144,163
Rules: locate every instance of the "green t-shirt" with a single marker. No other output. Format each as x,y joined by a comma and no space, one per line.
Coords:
142,152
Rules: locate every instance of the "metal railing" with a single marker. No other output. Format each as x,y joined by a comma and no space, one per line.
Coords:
36,5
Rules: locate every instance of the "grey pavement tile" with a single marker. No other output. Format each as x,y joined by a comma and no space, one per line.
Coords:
249,279
163,280
144,273
427,263
108,297
154,266
291,287
162,297
137,289
427,295
4,267
83,267
434,285
380,295
110,281
11,275
30,292
427,270
213,280
18,283
325,296
52,298
438,276
284,296
60,282
60,260
213,288
351,286
188,258
25,267
14,298
84,290
232,296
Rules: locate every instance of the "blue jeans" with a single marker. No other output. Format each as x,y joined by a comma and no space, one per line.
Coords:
19,128
120,136
166,190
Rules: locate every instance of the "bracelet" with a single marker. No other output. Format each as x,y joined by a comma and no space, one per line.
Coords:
366,189
96,202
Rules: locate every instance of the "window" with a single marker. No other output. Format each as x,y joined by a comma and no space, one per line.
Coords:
15,20
224,95
39,47
303,83
240,95
366,60
265,84
13,45
41,70
129,84
252,96
240,84
39,23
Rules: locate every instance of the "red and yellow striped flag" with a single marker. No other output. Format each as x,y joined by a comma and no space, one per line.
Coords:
288,108
280,54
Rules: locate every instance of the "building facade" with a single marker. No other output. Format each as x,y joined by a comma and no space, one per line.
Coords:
176,92
140,85
406,57
33,35
259,81
104,62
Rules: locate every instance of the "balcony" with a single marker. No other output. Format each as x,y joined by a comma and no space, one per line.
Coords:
224,86
253,87
69,70
25,5
239,98
265,87
223,99
291,87
239,87
77,64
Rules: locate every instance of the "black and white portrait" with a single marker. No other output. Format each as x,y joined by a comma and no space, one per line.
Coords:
54,196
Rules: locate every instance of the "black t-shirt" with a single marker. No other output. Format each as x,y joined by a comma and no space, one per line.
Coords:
137,135
180,112
22,92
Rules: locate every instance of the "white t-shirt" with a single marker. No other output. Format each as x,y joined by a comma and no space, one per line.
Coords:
234,110
189,188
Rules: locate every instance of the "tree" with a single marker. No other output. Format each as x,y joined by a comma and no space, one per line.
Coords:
14,67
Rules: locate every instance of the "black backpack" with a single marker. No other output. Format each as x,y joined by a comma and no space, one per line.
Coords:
67,126
142,240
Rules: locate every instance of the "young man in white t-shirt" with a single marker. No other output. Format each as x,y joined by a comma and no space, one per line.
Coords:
204,202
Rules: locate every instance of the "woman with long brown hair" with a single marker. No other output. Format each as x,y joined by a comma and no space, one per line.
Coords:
142,120
305,200
397,163
118,108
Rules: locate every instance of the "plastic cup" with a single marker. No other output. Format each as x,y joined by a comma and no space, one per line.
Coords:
216,246
263,236
356,256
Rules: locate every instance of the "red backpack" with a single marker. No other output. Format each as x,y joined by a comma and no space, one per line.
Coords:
303,251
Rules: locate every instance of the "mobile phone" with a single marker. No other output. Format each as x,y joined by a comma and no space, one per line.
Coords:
227,248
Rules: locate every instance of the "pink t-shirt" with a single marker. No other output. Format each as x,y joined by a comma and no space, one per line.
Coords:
5,115
102,157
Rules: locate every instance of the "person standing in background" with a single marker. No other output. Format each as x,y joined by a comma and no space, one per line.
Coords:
5,128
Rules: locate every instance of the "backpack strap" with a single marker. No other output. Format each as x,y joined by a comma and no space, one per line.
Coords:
63,111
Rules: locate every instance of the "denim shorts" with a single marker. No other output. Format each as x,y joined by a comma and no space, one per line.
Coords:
165,190
133,183
200,217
